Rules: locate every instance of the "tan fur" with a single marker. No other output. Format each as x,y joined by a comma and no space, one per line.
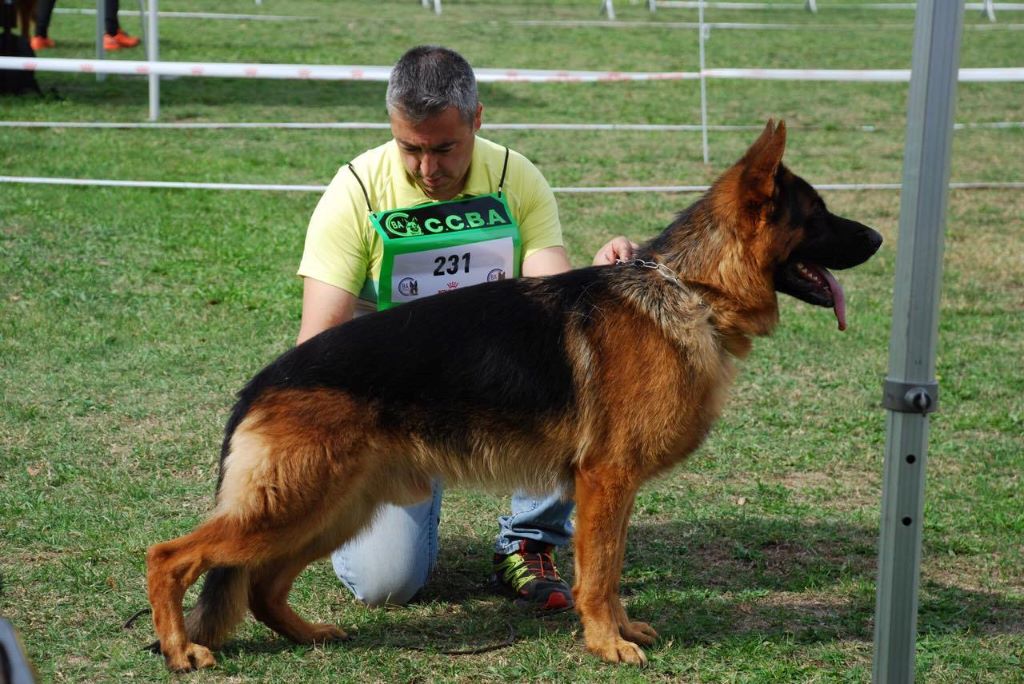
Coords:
307,468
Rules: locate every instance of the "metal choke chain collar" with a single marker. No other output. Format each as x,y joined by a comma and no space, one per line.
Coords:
654,265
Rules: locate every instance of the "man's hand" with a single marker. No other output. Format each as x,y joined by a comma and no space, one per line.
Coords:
617,248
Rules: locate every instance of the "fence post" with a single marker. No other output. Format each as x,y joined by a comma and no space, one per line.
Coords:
989,9
101,28
703,84
153,55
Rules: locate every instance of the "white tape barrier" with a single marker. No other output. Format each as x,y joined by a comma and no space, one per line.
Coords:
317,71
224,70
380,73
1004,75
184,185
196,15
358,126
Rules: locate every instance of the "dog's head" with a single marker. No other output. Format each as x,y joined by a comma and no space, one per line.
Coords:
788,228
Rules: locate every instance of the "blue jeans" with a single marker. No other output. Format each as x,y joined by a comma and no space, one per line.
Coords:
391,559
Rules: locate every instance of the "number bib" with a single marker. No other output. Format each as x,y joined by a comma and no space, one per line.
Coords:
443,246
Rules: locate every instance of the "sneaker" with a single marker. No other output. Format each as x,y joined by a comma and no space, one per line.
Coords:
119,40
41,43
530,577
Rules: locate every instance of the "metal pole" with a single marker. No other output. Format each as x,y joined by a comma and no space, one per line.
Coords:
101,28
911,391
142,21
989,10
153,55
703,83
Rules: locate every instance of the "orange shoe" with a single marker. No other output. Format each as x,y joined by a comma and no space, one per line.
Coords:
110,43
122,39
41,43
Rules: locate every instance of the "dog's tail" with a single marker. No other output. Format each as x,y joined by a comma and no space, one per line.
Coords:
222,605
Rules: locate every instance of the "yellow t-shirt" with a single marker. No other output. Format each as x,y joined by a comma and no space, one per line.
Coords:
343,249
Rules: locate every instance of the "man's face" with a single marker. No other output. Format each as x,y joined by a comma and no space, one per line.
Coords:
437,151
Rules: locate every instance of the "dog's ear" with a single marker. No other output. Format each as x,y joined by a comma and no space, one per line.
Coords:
762,160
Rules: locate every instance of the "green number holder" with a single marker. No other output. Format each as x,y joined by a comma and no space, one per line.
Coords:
440,225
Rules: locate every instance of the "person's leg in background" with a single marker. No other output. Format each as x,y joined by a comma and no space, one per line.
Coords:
114,37
41,39
524,560
391,560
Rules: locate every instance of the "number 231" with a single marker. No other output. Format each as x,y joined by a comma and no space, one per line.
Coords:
451,264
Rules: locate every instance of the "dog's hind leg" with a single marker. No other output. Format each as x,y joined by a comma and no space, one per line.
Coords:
604,498
291,485
272,582
172,567
257,551
268,601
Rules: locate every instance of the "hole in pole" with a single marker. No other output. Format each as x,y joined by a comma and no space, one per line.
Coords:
906,521
911,458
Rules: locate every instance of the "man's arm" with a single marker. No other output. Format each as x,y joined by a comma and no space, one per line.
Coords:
547,261
552,260
323,306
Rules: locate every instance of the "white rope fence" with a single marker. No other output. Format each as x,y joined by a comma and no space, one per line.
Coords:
216,16
741,26
273,187
155,68
368,125
901,6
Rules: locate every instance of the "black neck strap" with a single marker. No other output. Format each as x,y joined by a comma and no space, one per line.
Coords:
501,182
504,168
365,194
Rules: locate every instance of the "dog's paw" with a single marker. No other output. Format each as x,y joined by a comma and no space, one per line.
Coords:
619,651
192,657
323,633
640,632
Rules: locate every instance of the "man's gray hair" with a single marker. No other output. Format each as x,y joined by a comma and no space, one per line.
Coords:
429,79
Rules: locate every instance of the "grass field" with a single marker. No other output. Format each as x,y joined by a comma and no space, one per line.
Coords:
129,317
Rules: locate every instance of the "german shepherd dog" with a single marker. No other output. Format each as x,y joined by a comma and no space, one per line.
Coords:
596,379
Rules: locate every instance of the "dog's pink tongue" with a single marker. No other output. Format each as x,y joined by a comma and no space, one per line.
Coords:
838,298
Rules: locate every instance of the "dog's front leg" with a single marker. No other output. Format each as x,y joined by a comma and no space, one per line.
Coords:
604,498
639,632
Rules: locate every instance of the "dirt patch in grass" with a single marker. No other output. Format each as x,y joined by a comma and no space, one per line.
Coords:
792,611
839,490
978,573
